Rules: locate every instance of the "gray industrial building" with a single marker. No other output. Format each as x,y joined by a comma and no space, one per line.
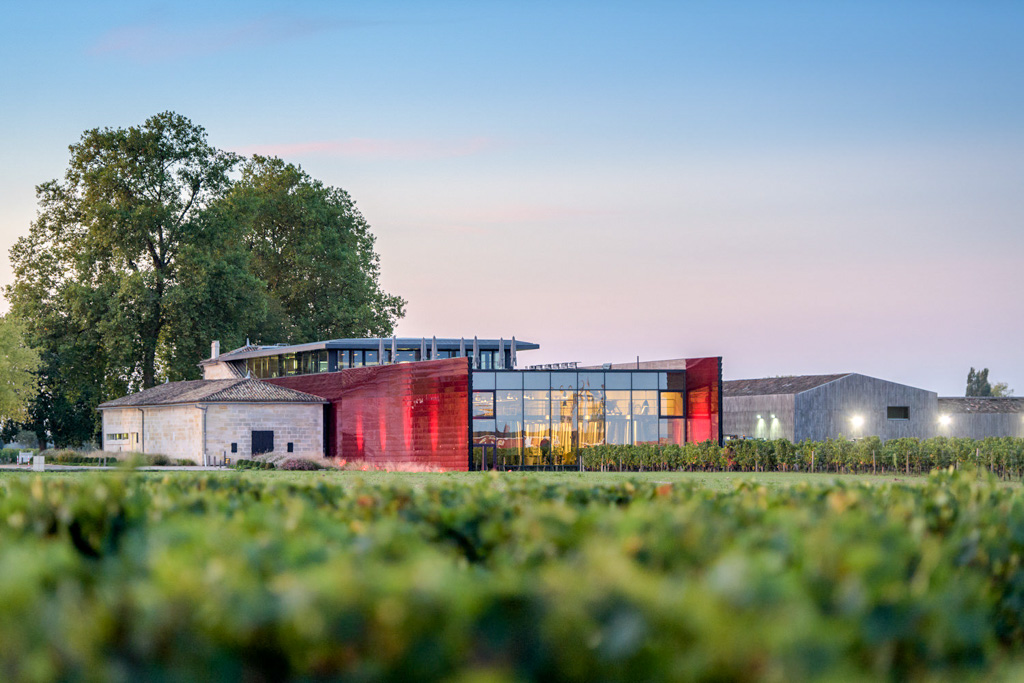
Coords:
852,405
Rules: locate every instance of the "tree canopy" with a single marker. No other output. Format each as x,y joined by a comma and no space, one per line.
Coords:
149,248
978,385
18,365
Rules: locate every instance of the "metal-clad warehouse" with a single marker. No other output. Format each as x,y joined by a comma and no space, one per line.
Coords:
818,407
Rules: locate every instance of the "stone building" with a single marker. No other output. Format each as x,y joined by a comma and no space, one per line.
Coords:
205,420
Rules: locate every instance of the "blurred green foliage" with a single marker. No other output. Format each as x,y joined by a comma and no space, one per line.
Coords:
123,577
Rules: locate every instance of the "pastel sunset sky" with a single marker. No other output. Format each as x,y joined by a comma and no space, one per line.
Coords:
799,187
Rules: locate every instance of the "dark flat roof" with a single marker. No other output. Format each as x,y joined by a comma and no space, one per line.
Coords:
777,385
371,343
212,391
981,404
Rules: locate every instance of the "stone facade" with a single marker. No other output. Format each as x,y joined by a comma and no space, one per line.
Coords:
300,424
177,431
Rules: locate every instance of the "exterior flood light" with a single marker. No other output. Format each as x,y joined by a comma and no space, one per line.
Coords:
857,421
944,420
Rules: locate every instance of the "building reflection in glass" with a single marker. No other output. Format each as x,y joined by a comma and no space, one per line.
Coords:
539,419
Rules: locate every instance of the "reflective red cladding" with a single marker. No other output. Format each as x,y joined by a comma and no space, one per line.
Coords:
406,414
703,399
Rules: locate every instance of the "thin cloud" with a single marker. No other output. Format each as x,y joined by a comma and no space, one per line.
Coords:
374,148
161,40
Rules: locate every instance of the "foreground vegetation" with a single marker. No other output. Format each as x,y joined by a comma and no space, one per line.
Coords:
114,576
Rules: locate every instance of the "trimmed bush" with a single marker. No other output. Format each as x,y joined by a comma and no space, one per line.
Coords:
302,464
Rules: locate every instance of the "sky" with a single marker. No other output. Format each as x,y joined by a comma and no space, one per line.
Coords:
799,187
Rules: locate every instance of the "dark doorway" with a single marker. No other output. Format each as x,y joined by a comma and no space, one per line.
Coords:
262,442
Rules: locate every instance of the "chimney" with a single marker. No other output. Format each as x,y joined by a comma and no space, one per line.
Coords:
215,350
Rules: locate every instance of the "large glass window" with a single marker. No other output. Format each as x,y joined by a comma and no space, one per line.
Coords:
508,429
483,404
361,358
617,416
405,356
563,417
274,366
645,416
537,427
291,366
591,416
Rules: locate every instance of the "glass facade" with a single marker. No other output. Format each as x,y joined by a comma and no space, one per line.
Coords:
542,419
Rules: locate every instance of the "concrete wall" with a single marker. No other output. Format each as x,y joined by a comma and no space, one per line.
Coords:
752,416
827,411
983,425
177,431
298,423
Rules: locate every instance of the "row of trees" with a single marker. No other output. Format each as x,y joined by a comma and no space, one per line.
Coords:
154,244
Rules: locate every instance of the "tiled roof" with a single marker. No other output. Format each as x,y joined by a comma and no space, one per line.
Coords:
213,391
777,385
981,404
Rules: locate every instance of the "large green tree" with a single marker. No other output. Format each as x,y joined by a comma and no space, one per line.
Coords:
18,365
147,250
314,251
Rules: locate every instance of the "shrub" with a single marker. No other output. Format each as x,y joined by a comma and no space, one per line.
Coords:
302,464
244,464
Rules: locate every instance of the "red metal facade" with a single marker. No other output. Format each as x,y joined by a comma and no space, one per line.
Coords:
703,399
406,414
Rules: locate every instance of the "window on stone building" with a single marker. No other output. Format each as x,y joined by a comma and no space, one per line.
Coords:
234,448
291,447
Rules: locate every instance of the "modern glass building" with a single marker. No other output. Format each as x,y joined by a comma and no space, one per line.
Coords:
404,399
536,418
270,362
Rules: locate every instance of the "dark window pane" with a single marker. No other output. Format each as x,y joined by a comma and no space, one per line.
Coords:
898,412
361,358
405,356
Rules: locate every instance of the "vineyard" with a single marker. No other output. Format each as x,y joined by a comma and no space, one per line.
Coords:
1002,455
122,577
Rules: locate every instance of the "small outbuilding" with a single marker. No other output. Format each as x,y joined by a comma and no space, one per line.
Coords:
205,420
